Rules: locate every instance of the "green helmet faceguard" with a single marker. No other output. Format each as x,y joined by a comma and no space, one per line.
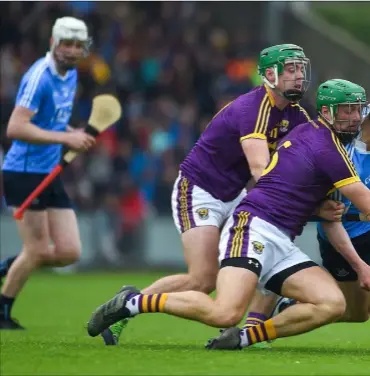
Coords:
276,57
336,92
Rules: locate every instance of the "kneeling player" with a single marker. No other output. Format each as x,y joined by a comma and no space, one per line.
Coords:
257,244
357,299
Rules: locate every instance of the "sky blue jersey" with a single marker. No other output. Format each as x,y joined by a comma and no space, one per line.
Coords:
361,160
50,96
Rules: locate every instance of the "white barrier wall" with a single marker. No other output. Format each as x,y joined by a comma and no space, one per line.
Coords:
162,243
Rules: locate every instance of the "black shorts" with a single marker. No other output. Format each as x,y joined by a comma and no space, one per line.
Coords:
336,264
18,185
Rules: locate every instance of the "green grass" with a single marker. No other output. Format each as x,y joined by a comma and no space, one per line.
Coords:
55,309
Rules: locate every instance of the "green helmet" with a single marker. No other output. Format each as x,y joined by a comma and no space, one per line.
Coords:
335,92
276,57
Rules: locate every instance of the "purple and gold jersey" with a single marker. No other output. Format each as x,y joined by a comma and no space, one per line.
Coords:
309,163
217,162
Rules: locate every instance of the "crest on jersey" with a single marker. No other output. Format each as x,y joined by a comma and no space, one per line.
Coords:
283,125
258,247
203,213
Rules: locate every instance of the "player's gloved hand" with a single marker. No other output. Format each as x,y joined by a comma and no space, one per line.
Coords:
331,210
79,141
363,273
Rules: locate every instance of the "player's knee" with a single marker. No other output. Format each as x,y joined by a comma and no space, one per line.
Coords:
68,252
230,317
37,251
204,283
333,307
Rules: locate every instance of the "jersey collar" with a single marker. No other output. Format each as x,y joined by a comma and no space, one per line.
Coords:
51,63
323,122
271,97
360,145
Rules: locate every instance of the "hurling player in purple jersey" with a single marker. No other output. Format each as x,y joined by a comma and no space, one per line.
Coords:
233,150
357,298
257,242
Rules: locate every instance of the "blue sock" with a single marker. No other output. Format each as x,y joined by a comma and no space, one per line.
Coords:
5,265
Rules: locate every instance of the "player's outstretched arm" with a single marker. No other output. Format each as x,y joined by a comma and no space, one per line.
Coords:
21,128
341,241
359,195
257,153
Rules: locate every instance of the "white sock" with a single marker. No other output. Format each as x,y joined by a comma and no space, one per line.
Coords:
133,305
244,338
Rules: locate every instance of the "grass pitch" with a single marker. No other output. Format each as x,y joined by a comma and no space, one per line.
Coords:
55,309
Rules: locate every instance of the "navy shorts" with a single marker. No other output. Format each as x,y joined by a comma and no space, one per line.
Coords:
337,265
18,185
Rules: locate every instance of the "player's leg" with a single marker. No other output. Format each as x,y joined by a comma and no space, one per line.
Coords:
35,233
357,299
198,217
236,284
64,233
200,245
235,287
358,302
321,301
261,307
63,226
260,310
317,306
295,276
5,266
33,230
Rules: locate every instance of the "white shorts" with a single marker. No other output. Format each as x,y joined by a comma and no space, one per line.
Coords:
250,237
192,206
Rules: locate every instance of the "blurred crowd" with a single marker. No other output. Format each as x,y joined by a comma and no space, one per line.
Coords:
170,65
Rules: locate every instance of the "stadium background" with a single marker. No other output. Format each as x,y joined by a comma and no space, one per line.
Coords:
172,65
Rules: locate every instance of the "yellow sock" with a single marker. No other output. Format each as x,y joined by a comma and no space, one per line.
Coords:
151,303
261,333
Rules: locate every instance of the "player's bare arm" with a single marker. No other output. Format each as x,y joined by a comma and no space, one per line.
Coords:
359,195
330,210
340,240
20,127
257,153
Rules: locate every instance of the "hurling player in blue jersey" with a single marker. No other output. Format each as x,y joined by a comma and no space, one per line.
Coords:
39,129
